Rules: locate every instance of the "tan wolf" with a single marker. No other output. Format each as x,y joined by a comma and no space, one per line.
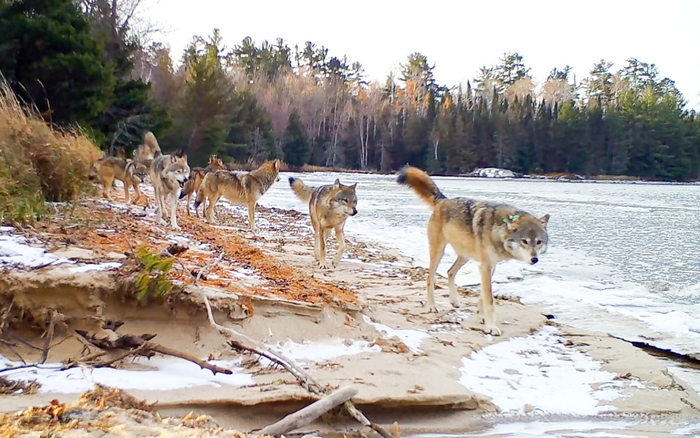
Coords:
479,230
238,188
196,176
168,174
329,208
148,150
108,169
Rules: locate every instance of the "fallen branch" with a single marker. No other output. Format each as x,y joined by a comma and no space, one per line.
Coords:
311,412
131,345
157,348
6,317
49,338
307,381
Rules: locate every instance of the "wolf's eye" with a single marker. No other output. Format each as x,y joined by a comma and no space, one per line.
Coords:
539,242
524,241
345,201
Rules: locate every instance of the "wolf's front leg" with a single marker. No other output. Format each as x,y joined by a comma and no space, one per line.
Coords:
173,212
486,300
159,207
340,238
251,216
322,262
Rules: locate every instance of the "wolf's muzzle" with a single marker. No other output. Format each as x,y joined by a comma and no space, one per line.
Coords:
534,260
354,212
182,183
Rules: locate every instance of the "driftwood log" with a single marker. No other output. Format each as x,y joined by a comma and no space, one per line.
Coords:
311,412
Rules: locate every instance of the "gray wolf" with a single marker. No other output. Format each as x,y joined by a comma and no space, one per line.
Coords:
148,150
329,208
168,174
108,169
479,230
238,188
197,175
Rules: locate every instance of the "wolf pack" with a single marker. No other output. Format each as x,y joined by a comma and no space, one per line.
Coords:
487,232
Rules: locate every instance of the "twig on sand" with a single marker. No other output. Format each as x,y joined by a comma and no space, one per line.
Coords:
311,412
307,381
49,338
6,318
207,267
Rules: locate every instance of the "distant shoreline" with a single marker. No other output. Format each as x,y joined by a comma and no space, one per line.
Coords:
554,177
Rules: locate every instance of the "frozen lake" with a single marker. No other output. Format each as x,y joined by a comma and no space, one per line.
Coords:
622,258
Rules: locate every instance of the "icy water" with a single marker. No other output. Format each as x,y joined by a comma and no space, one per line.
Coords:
622,259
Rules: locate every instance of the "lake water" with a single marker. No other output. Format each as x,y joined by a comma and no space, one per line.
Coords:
622,258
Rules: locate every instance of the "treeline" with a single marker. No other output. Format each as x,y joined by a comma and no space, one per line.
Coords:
263,100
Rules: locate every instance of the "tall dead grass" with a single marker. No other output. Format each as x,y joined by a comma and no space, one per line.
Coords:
38,163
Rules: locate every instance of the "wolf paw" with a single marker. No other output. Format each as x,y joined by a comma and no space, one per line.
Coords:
492,329
160,221
432,309
175,227
325,265
455,304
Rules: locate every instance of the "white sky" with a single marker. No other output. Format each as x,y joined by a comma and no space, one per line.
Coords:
459,36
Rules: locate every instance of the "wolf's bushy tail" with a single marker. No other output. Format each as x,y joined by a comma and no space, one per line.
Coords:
150,140
421,183
300,189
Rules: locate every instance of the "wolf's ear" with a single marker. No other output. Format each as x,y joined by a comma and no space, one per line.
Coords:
183,158
276,164
336,184
544,219
353,187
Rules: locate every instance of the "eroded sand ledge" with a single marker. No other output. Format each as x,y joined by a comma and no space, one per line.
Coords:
278,296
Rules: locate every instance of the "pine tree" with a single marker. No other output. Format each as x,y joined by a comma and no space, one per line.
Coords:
51,59
296,142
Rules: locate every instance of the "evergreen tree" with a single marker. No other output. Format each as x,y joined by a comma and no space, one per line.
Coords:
296,142
51,60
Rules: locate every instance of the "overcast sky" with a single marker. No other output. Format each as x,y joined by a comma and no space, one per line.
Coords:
459,36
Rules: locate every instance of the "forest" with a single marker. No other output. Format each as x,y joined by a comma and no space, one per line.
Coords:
97,66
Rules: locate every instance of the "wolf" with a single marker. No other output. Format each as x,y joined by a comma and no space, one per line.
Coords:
479,230
108,169
196,176
329,208
238,188
168,174
148,150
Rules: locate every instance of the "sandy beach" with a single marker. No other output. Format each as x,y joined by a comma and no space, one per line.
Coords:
361,325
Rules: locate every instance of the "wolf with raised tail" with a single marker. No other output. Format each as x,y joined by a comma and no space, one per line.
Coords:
484,231
329,207
238,188
168,174
147,151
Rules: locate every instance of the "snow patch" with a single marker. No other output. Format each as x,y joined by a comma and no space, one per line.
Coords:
540,371
169,374
411,338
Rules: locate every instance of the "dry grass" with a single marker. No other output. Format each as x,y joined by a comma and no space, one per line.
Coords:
38,163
